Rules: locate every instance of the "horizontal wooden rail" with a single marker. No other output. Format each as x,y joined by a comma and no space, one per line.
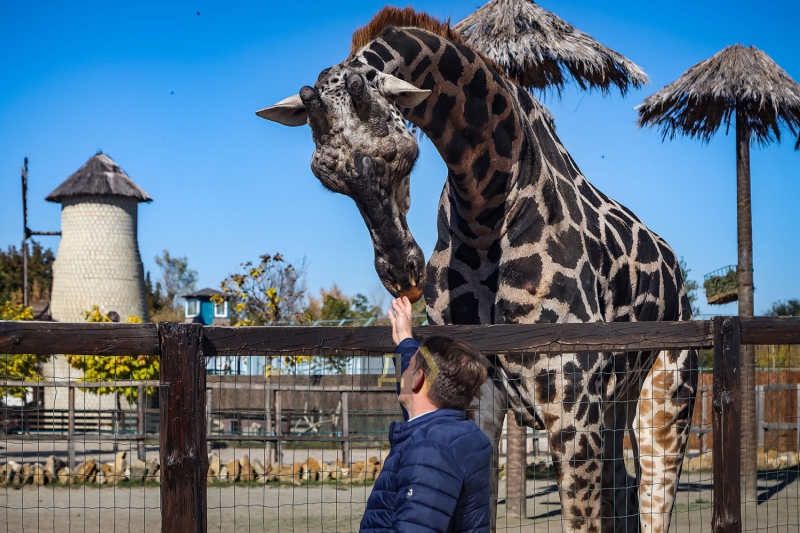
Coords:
109,437
488,339
142,339
78,437
79,384
78,338
276,386
769,330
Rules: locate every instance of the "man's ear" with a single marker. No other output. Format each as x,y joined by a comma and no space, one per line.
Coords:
402,92
289,112
418,381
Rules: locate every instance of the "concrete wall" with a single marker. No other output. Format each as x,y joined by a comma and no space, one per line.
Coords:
98,261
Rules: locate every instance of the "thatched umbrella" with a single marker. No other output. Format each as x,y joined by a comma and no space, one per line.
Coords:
745,84
536,48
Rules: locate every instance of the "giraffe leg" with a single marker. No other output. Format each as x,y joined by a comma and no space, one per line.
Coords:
568,394
620,493
488,410
662,430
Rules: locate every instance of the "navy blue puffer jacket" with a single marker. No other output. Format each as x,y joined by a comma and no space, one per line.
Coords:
435,478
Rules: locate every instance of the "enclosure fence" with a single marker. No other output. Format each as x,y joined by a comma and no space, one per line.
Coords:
295,437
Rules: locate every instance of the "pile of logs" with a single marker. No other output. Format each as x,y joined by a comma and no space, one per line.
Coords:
246,470
55,470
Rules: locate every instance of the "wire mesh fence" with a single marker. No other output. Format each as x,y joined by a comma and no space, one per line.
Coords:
293,433
78,456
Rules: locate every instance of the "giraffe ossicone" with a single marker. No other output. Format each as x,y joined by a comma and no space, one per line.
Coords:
523,237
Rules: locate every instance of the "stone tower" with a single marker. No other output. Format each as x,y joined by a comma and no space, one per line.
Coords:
98,260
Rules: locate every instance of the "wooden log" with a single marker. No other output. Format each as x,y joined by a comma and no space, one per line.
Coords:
182,395
770,330
65,437
90,338
726,419
142,339
489,339
78,384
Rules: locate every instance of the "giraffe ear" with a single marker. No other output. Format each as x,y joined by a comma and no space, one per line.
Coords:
289,112
402,92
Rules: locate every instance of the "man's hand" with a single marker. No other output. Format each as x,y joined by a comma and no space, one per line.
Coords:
400,317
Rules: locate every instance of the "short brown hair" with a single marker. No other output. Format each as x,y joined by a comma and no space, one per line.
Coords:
461,372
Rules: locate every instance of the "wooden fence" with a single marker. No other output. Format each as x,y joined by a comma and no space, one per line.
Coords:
182,384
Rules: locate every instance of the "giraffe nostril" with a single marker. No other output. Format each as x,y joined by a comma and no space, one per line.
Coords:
355,84
411,269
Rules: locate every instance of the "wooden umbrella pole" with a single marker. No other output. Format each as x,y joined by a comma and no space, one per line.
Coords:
744,219
746,308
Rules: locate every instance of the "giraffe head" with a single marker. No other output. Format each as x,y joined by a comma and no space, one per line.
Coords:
365,151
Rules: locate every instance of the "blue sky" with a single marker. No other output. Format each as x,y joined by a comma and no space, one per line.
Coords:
171,95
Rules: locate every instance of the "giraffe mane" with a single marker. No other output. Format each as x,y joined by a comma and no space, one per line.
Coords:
408,17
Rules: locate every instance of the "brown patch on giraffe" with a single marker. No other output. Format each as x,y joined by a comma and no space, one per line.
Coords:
663,380
410,18
549,419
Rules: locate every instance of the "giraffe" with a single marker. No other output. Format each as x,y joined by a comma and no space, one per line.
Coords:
523,238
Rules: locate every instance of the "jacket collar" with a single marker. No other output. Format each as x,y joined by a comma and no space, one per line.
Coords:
400,431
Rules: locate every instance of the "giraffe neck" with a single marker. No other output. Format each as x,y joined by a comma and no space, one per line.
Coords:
472,117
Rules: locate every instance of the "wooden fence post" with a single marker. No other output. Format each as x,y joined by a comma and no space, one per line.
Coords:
278,429
704,420
727,425
140,427
268,424
516,461
345,431
761,397
209,411
71,428
182,395
797,419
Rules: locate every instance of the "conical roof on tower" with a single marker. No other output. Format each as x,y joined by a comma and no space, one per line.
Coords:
100,176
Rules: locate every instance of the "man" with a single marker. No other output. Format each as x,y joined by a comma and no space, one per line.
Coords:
436,476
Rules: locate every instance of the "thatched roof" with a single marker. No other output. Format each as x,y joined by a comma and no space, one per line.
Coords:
536,48
707,95
100,176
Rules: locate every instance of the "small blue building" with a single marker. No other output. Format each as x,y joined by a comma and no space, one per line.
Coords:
199,309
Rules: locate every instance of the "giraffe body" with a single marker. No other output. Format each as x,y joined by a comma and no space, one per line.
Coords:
523,238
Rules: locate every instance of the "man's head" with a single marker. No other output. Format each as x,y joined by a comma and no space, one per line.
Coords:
365,151
445,373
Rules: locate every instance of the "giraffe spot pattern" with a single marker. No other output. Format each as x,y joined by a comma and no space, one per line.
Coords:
524,237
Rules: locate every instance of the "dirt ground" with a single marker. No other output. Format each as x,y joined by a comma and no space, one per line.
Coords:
324,507
328,508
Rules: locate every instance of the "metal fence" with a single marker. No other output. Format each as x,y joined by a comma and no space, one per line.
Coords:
300,450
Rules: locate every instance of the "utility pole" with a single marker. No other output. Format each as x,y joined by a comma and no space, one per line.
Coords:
27,233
